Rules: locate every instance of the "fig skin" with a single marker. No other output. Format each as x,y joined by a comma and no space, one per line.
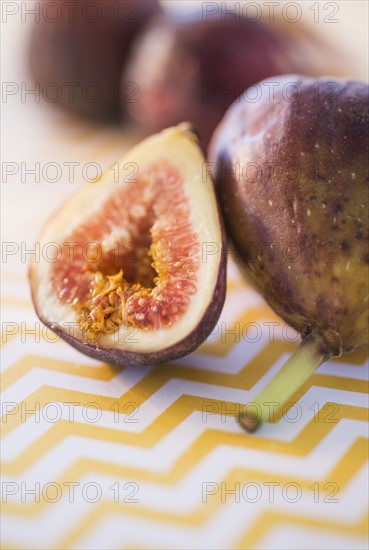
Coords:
77,50
185,68
181,141
302,182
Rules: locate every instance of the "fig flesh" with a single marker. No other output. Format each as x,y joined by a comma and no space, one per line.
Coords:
190,68
292,175
77,51
138,274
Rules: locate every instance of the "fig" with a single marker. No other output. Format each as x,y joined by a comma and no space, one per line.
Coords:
187,68
133,269
292,175
77,51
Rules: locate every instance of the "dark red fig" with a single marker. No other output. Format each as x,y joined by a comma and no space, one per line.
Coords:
187,68
138,274
292,176
78,49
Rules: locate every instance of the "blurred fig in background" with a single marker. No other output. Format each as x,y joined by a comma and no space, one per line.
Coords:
77,51
184,68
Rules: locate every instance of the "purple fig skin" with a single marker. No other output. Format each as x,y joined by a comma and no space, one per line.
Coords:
292,177
185,347
83,57
185,68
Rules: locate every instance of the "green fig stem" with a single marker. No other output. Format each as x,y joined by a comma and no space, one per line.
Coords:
297,369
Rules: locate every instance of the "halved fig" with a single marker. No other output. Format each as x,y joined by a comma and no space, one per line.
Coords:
133,267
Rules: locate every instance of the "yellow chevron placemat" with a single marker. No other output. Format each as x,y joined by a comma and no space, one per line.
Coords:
95,456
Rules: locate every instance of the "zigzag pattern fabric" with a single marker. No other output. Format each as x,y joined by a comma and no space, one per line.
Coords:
95,456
